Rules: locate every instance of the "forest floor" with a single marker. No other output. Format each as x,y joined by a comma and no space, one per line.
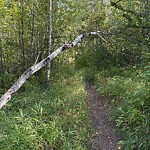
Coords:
103,137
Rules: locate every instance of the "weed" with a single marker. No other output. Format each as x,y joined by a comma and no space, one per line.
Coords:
40,119
129,94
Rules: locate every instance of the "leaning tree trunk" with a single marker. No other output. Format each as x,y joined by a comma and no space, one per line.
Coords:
17,85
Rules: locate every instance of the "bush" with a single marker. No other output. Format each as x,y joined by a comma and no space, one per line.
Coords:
131,95
134,116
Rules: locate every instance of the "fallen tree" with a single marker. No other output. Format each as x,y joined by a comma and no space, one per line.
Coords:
17,85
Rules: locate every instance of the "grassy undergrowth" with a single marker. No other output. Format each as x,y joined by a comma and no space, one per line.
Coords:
128,90
47,119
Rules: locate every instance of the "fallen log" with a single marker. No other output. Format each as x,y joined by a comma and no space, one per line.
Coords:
17,85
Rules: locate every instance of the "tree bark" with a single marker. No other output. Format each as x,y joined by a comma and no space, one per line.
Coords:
32,32
50,42
22,36
17,85
1,64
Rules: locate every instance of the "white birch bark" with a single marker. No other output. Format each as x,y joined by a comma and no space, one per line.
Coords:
50,42
17,85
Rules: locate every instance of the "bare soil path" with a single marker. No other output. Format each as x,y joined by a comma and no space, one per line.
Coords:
104,137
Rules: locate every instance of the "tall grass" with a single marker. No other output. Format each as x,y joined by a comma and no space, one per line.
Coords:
47,119
129,92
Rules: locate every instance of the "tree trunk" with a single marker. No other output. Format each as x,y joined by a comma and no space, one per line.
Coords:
1,65
17,85
50,43
32,33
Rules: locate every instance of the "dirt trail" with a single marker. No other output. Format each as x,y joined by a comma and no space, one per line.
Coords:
104,137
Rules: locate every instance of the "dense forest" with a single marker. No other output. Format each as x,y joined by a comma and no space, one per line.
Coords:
49,112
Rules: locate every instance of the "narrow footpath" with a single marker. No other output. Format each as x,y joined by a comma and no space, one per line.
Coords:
103,137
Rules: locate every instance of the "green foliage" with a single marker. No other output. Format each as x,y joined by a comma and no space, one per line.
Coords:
89,75
129,94
53,118
6,80
118,81
36,121
133,117
96,55
145,75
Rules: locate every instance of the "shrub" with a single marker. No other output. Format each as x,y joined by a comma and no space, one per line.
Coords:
133,117
130,94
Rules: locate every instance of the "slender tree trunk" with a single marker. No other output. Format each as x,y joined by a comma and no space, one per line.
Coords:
32,33
21,36
50,42
1,65
146,13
